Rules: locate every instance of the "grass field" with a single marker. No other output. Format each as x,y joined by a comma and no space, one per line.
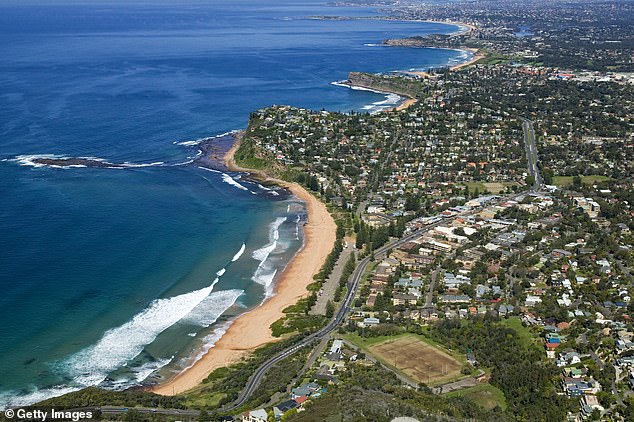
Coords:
525,336
475,185
200,398
586,180
496,187
487,187
414,356
484,395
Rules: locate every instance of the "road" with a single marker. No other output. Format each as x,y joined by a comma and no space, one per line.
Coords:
345,307
432,285
531,152
625,270
119,410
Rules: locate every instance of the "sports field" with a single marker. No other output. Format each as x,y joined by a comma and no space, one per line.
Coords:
417,359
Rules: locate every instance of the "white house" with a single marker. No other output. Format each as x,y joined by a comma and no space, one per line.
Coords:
258,415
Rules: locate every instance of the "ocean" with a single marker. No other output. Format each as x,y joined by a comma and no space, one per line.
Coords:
115,277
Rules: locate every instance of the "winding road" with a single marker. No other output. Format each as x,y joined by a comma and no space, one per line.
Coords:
345,307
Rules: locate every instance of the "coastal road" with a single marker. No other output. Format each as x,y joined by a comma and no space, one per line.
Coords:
113,410
531,152
346,306
120,410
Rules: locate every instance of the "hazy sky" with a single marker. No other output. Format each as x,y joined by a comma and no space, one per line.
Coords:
113,2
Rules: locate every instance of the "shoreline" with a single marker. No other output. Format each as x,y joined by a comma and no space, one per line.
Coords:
463,26
405,102
251,330
476,57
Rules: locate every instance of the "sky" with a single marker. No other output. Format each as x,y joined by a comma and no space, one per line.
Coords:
88,2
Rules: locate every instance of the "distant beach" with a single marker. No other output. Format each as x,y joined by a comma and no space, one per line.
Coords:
476,56
251,330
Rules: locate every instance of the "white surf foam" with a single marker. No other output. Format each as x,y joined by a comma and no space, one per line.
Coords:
188,143
119,345
31,161
274,234
228,179
390,100
207,138
340,83
358,88
265,279
209,310
239,253
221,272
147,369
16,399
133,165
208,169
265,273
210,341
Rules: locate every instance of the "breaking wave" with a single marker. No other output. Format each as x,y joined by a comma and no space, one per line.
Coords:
119,345
205,139
239,253
228,179
265,273
391,100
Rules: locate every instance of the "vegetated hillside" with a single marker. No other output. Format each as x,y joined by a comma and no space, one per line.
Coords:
407,86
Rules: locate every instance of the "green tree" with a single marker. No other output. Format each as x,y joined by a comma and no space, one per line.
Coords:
330,309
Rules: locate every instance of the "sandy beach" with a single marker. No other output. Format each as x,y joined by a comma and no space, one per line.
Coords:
464,27
417,73
406,104
475,58
251,330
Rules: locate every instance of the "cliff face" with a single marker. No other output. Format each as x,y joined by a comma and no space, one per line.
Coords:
397,85
407,42
365,80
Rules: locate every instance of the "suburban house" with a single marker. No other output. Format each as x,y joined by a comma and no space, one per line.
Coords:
258,415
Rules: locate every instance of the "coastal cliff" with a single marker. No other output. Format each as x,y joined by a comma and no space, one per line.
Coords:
408,42
404,86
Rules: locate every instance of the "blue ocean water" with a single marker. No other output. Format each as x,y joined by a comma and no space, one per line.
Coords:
109,275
